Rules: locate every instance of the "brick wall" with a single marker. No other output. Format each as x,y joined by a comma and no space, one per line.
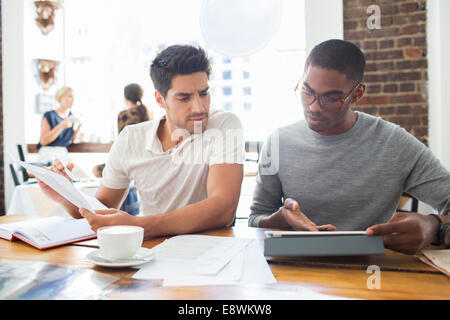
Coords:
2,183
396,61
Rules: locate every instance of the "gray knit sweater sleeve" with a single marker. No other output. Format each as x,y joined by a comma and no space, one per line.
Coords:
428,180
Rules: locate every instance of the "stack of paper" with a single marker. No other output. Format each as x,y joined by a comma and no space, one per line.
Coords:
438,259
206,260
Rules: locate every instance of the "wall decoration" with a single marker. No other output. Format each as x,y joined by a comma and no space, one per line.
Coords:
46,15
46,71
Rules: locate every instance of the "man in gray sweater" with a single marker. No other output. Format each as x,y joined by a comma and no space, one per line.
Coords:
341,169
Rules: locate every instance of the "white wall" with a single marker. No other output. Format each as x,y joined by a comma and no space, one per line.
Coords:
22,44
438,30
13,48
324,20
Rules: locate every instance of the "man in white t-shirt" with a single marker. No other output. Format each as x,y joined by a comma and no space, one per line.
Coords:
187,166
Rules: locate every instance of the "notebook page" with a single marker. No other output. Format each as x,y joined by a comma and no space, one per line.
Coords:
16,226
7,229
54,230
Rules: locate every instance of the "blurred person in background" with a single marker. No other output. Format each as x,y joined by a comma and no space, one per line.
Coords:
136,112
59,128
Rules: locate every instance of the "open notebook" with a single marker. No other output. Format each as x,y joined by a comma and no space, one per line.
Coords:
48,232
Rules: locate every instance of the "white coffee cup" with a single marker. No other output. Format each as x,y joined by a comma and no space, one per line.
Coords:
120,242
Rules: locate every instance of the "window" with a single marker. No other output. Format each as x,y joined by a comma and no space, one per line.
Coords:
228,106
226,75
130,41
226,91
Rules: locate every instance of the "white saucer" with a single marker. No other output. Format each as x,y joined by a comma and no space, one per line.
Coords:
143,253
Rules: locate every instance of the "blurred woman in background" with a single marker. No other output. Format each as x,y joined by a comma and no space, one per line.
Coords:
58,128
137,112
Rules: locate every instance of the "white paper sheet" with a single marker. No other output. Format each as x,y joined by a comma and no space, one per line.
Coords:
256,268
194,254
230,274
64,187
247,266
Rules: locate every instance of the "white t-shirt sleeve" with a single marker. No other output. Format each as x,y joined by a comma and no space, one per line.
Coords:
114,174
228,144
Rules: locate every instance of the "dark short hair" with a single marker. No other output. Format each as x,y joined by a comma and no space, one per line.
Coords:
177,60
339,55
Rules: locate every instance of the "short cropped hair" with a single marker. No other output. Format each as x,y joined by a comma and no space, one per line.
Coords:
339,55
61,91
177,60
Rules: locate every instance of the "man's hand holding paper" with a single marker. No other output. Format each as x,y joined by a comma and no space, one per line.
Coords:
57,167
107,217
58,186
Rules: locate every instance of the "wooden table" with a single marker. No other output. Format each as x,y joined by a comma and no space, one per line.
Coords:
402,276
96,147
